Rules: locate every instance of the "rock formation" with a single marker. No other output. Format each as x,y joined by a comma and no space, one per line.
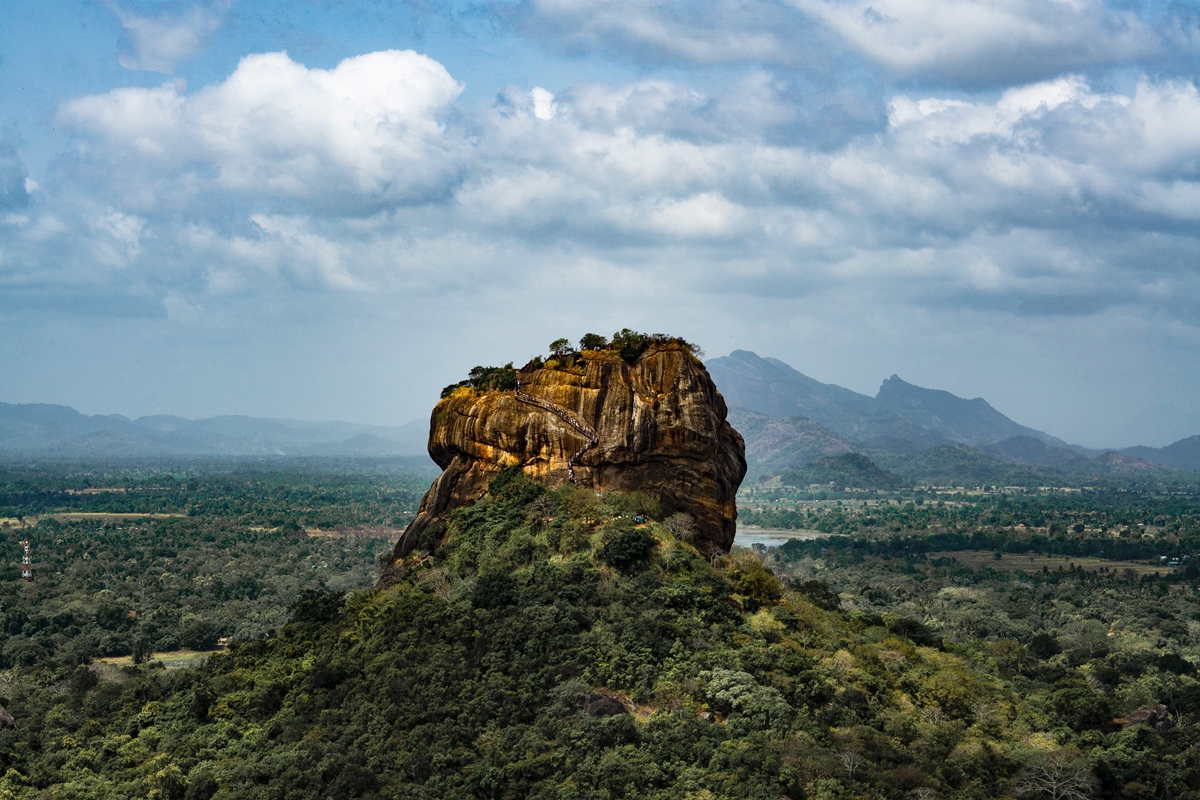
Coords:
656,426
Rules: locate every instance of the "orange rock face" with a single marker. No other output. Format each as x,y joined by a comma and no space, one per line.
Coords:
657,426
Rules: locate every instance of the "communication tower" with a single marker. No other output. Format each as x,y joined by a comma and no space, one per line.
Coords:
27,562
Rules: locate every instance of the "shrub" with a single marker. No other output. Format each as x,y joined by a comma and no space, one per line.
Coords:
560,348
755,582
819,595
487,379
626,548
314,606
593,341
682,525
198,635
1044,646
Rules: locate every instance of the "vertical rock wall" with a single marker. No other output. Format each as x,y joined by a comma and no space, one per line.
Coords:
659,426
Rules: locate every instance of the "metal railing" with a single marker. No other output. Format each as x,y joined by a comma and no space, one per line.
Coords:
571,419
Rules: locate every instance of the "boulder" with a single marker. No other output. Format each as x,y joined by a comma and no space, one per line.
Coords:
601,705
1156,716
656,425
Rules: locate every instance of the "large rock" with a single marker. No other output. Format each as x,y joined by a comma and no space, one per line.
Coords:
659,426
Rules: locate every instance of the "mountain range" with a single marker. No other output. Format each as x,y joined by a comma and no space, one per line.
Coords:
59,431
789,420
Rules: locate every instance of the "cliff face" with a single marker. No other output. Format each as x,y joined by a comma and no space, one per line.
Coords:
657,426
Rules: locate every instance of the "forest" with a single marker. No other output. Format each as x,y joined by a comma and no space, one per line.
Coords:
564,644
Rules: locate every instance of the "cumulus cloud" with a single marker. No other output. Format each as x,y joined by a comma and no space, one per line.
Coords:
714,32
1039,200
985,42
157,43
15,186
365,133
1049,198
961,42
120,237
1064,147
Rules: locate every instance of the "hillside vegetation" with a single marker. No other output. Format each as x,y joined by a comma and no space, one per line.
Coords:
848,470
558,647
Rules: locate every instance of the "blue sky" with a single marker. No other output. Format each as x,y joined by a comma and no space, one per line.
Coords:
332,209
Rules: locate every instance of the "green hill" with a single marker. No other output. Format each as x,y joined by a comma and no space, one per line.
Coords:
556,647
848,470
774,444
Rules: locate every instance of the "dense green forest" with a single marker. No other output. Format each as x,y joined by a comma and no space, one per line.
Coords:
555,646
1104,514
137,587
142,557
293,492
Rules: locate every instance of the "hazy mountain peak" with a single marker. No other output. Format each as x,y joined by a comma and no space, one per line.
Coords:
62,431
902,417
900,389
974,421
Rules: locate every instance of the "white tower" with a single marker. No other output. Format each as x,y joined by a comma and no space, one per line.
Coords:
27,563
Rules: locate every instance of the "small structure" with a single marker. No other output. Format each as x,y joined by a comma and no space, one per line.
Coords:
27,562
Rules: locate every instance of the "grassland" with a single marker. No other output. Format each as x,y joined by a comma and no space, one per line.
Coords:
171,659
1031,562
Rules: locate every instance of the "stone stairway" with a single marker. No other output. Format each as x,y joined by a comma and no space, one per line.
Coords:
587,431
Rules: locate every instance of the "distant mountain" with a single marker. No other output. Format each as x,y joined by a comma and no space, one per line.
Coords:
1117,463
771,387
1028,450
59,431
848,470
963,465
1184,454
902,418
790,421
972,421
774,444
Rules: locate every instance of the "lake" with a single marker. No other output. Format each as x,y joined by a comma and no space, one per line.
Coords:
773,537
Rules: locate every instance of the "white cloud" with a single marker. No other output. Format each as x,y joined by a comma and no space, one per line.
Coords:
961,42
120,237
366,131
985,42
713,32
158,43
1049,198
1058,142
543,103
956,201
958,121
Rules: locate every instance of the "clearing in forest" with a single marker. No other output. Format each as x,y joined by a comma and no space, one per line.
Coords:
1033,562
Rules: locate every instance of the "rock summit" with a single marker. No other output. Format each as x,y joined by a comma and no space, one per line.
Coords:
608,419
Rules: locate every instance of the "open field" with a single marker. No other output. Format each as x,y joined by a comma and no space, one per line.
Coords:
1032,562
391,534
101,516
173,659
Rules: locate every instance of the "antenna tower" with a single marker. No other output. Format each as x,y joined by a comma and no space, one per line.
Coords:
27,563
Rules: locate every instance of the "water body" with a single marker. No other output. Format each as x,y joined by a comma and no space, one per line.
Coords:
773,537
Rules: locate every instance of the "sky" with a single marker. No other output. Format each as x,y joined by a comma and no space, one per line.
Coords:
325,209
